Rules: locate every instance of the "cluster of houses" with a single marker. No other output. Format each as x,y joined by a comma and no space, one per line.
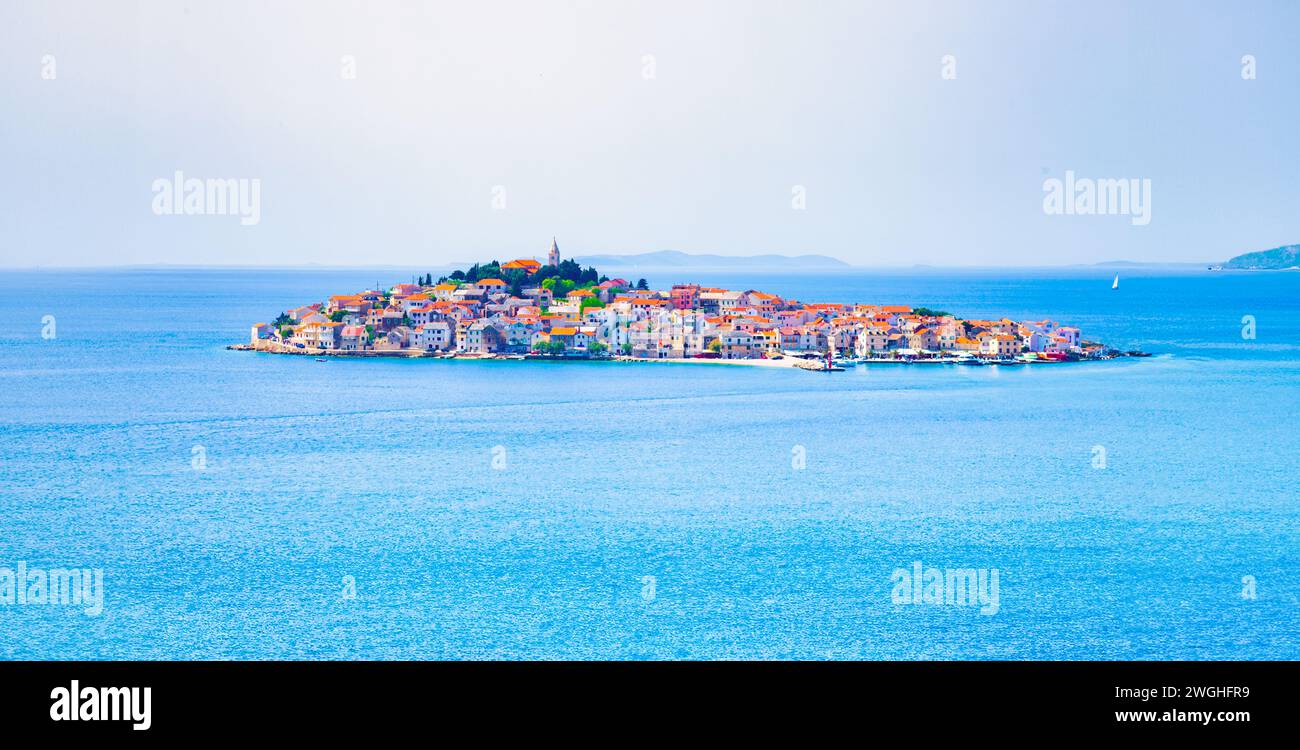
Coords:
612,318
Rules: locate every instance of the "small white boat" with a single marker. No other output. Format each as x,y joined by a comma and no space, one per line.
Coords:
1115,284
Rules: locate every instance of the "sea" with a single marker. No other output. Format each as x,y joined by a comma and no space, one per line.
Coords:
254,506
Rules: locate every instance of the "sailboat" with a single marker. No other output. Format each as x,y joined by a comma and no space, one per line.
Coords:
1115,284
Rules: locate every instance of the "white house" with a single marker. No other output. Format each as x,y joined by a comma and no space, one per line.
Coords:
438,334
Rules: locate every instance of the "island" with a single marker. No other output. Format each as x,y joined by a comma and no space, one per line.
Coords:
559,310
1282,258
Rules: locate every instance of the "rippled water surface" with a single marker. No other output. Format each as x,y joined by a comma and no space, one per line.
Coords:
652,510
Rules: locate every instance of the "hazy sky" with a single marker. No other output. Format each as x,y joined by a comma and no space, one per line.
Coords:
639,126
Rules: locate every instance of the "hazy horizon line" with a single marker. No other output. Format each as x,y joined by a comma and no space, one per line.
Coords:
454,266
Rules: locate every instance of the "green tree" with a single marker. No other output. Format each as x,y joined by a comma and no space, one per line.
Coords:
559,287
597,349
642,284
569,270
515,279
588,302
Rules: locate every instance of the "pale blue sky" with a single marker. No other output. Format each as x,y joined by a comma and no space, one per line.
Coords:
548,100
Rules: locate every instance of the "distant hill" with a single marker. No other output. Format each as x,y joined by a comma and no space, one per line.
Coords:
675,259
1145,264
1287,256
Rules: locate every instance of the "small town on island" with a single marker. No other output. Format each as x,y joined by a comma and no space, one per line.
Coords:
524,309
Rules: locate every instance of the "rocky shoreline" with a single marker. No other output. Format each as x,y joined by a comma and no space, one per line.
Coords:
813,364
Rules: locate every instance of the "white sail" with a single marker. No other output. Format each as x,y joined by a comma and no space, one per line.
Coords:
1115,285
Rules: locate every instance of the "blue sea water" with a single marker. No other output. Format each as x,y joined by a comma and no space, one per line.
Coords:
654,510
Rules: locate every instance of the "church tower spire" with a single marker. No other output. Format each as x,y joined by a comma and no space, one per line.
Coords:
554,258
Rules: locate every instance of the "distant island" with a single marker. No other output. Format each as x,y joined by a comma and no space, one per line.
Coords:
1279,258
676,259
527,309
1142,264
